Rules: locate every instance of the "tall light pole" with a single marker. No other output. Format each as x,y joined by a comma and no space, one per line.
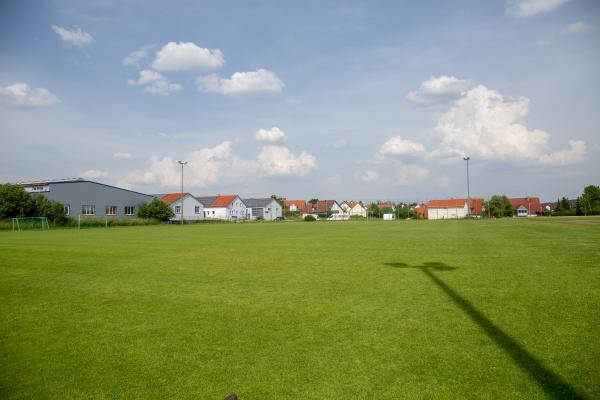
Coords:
182,164
468,188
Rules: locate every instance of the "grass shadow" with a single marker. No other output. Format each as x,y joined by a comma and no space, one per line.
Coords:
550,382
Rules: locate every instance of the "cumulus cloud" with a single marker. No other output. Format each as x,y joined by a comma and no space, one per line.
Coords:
439,90
187,56
487,125
397,146
579,27
93,174
154,82
528,8
137,56
242,83
367,177
280,161
121,156
75,37
576,152
272,135
22,95
407,174
206,166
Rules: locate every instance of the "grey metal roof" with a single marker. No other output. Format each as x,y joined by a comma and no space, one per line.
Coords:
206,200
250,203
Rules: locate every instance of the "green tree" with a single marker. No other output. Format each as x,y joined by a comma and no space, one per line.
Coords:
563,207
313,201
497,205
14,201
375,211
509,209
589,202
41,206
156,209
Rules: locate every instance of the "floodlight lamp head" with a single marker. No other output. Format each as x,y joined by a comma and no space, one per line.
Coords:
466,158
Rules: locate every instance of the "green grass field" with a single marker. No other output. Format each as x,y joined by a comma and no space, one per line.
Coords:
343,310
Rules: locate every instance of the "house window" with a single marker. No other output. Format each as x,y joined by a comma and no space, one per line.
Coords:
129,210
197,209
67,209
88,209
177,209
111,210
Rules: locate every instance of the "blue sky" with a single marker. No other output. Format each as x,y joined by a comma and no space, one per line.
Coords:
344,100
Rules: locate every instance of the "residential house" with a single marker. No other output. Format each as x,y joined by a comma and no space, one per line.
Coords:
322,207
294,205
420,210
526,206
184,204
228,207
454,208
354,208
88,198
267,208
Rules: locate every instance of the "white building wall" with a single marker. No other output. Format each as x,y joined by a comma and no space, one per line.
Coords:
189,209
359,210
336,207
447,212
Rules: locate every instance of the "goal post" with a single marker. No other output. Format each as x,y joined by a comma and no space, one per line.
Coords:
30,223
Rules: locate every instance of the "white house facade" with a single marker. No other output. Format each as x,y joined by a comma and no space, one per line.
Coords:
447,209
186,205
228,207
267,209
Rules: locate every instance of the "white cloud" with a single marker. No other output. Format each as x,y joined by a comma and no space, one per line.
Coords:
579,27
75,37
242,83
407,174
367,177
576,152
439,90
187,56
280,161
528,8
486,125
94,174
272,135
338,144
397,146
121,156
154,82
206,166
22,95
135,57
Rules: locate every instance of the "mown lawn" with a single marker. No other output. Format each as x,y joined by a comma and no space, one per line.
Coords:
324,310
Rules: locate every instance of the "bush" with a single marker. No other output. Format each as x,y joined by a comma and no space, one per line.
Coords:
14,201
310,218
157,210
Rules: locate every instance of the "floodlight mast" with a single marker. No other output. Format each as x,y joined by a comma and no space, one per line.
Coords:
468,187
182,164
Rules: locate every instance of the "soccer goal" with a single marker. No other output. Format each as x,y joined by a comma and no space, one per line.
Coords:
30,223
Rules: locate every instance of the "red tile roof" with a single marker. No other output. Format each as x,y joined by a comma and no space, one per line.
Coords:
172,197
299,203
223,201
530,203
319,207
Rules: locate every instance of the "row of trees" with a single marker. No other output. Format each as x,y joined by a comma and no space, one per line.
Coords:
586,204
16,202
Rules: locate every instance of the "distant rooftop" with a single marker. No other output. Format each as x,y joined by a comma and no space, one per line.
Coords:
46,181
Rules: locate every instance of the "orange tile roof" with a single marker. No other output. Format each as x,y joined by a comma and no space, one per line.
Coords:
172,197
223,201
531,203
299,203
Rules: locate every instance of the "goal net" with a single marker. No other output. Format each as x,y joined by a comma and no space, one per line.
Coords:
30,223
